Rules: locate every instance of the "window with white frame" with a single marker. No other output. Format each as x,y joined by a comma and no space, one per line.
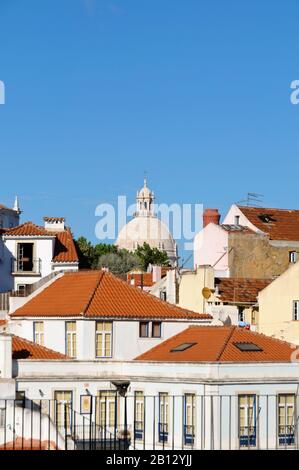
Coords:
156,329
292,256
139,415
38,332
70,339
163,417
295,310
247,420
103,339
106,414
144,329
63,409
189,418
286,419
2,417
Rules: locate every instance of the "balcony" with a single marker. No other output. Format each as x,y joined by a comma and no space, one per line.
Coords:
26,267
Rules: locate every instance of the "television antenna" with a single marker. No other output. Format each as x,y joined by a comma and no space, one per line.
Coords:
253,199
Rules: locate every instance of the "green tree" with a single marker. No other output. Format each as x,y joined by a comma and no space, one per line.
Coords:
89,254
148,255
119,263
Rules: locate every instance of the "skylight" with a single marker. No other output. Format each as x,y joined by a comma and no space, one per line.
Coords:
182,347
245,347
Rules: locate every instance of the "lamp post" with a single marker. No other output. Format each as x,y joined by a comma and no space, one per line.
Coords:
122,388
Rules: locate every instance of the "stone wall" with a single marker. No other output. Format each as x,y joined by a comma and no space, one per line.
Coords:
254,256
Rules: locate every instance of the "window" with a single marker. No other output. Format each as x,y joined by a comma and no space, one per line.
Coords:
189,418
241,313
38,332
163,417
253,317
63,410
292,256
70,339
163,295
247,420
139,415
144,329
21,289
182,347
156,329
20,399
237,220
248,347
295,310
286,419
106,409
103,339
2,417
25,257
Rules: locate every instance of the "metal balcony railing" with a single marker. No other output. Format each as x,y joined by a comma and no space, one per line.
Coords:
216,423
26,266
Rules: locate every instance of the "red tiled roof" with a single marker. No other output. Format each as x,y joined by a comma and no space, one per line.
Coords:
241,290
3,322
282,224
29,229
217,344
24,349
65,249
21,443
140,279
100,294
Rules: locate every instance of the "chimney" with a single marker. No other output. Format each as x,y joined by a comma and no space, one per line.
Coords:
156,273
55,224
211,216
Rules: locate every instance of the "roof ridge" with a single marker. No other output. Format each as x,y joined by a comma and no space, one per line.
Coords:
156,299
225,343
268,208
99,280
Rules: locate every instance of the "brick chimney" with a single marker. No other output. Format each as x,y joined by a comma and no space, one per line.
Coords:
211,216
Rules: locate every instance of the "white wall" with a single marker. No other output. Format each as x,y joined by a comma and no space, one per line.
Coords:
125,336
210,246
216,388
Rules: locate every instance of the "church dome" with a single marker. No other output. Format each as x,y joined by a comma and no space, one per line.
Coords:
145,227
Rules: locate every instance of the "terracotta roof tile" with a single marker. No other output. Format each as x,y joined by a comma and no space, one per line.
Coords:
279,224
240,290
24,349
65,249
100,294
140,279
21,443
54,219
218,344
29,229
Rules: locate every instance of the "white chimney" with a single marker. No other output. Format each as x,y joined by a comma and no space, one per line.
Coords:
156,273
54,224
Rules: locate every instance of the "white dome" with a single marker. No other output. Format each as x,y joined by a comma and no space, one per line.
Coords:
150,230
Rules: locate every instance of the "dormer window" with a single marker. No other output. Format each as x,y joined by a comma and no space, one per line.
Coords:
292,256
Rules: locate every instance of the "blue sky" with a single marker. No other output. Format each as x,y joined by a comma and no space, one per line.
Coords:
197,93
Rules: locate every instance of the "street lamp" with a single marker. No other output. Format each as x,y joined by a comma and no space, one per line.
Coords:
122,388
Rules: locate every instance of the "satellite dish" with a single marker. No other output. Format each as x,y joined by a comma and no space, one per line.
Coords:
206,292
